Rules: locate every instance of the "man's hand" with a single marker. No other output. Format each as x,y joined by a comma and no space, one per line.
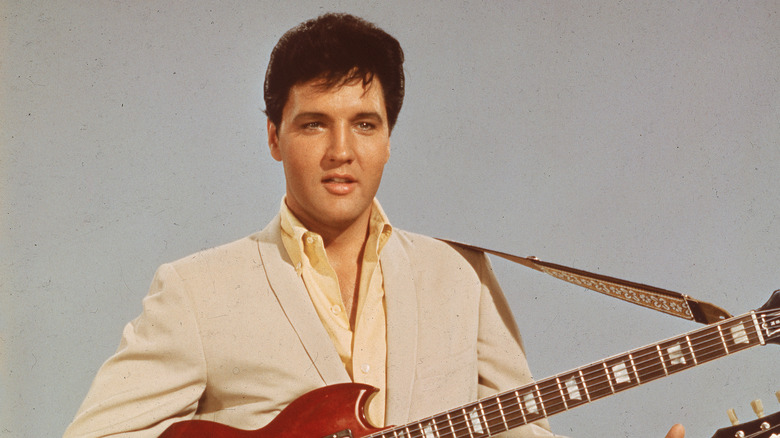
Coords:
677,431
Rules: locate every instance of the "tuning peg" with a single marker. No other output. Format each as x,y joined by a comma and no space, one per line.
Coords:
733,416
758,407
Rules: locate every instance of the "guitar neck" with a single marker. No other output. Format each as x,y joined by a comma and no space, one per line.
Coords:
565,391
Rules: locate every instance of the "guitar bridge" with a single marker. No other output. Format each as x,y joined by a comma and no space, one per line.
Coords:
346,433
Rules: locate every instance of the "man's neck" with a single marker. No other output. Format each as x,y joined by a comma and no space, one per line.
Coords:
341,239
345,249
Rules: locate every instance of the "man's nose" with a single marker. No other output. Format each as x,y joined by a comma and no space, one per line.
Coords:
342,144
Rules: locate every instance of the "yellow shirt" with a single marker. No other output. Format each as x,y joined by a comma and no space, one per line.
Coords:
364,350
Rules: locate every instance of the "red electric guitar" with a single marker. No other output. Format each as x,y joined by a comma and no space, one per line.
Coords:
337,411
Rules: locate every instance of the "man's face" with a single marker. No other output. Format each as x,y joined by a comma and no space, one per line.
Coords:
334,144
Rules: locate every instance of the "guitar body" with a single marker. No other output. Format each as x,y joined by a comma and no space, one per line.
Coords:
324,412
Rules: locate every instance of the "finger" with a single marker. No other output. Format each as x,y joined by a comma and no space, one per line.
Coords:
677,431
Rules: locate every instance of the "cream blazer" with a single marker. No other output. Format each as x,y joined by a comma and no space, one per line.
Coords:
229,335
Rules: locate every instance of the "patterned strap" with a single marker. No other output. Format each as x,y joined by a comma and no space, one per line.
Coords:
662,300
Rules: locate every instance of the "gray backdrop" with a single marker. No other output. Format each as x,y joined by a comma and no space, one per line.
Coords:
634,139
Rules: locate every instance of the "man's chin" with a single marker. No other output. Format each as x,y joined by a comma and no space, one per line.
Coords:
334,217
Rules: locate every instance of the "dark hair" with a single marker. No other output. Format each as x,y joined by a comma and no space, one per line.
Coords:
337,48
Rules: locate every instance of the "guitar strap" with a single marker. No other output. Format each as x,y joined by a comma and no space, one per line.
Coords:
662,300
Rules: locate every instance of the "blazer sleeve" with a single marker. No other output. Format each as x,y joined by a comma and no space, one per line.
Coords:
502,361
156,376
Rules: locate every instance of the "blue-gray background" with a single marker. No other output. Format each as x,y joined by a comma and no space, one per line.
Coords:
634,139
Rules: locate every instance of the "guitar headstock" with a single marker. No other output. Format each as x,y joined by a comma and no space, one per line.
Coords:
769,314
765,426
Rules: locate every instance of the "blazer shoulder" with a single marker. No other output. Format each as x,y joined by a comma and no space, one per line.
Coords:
240,249
238,252
426,248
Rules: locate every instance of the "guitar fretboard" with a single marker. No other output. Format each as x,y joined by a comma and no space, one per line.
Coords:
568,390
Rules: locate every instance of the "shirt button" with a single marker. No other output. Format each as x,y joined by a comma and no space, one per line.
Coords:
336,309
365,368
309,240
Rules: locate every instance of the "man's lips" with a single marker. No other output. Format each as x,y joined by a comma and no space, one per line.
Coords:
338,180
339,184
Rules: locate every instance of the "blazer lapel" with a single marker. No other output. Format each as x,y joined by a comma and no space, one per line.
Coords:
295,301
401,305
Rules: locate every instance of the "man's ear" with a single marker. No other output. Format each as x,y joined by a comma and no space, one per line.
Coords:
273,140
389,150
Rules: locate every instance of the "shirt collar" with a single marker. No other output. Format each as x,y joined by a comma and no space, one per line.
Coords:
295,235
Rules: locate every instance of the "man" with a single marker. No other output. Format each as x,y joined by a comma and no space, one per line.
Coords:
329,291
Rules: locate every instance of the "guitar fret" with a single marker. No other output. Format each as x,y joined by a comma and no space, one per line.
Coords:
693,355
661,357
563,396
473,422
436,428
531,407
723,340
570,389
609,378
756,326
452,426
466,420
677,355
512,410
439,426
520,407
633,366
585,386
598,381
501,411
427,431
529,404
621,376
550,397
648,364
541,402
484,418
704,347
742,335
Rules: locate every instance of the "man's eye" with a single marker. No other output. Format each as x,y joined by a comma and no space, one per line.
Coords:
365,126
312,125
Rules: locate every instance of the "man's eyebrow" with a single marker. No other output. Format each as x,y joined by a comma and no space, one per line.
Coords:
318,115
309,115
369,115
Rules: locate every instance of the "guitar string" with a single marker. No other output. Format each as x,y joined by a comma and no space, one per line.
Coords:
710,333
648,360
457,425
491,412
